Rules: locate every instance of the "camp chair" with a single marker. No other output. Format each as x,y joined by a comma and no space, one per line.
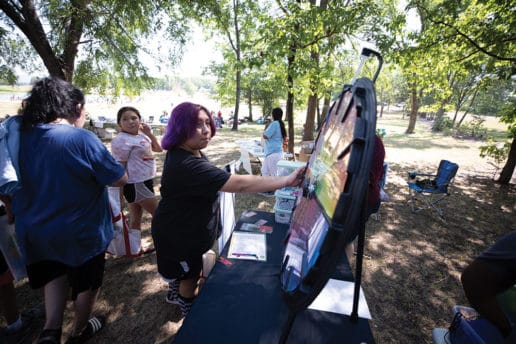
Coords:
431,188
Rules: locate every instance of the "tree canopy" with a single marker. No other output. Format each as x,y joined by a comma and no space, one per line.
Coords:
94,43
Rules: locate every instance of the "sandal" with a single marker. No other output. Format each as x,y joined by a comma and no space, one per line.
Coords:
50,336
95,324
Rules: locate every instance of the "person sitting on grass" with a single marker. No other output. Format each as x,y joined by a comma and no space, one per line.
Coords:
184,225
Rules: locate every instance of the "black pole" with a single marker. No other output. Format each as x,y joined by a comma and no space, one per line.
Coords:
288,327
358,266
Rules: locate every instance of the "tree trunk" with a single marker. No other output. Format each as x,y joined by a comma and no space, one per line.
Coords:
324,111
239,64
437,120
27,20
237,101
290,102
510,164
250,106
413,112
308,132
470,105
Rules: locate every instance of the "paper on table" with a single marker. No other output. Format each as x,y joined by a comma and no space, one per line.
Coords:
251,246
337,297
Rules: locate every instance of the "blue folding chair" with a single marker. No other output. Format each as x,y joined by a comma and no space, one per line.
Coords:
431,189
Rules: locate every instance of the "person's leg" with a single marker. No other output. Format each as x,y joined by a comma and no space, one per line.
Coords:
86,281
188,291
265,166
135,216
273,163
83,307
189,284
188,288
51,276
8,299
481,284
55,302
149,204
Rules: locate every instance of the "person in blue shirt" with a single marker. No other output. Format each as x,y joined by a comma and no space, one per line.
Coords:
274,135
61,213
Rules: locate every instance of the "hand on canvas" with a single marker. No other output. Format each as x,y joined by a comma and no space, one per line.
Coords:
296,177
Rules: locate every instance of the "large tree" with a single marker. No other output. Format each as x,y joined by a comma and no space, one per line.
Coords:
94,43
478,34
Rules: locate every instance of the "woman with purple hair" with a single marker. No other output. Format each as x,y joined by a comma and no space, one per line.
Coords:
183,226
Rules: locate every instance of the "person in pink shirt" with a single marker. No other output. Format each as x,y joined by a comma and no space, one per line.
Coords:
133,147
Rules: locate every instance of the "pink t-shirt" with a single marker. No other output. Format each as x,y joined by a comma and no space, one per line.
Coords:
136,151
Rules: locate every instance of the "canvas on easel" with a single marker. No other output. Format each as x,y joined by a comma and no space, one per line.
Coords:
334,192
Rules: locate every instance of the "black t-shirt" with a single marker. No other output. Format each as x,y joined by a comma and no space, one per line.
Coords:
189,188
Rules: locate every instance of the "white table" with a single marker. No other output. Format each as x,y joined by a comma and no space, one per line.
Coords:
248,149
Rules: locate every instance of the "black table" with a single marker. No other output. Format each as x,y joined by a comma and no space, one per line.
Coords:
243,303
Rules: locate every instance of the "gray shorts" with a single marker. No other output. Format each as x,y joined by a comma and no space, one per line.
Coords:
137,192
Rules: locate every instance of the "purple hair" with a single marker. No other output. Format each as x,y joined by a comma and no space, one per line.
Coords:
182,124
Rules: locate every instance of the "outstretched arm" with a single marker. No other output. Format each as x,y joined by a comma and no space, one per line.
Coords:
250,183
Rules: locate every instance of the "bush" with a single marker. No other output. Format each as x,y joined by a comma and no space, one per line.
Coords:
473,129
443,124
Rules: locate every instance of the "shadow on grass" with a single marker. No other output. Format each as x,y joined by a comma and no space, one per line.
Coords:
412,273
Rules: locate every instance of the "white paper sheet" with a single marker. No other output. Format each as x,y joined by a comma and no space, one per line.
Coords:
337,297
250,246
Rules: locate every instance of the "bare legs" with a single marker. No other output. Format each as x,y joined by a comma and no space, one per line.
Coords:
136,211
189,288
8,303
56,292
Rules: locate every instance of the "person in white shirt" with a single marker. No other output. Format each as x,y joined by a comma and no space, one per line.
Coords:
133,148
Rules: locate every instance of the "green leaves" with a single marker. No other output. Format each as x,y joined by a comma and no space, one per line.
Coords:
103,44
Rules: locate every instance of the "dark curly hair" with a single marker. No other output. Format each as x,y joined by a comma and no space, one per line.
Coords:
51,98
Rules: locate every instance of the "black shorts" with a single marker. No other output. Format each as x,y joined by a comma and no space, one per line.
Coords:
186,269
137,192
87,276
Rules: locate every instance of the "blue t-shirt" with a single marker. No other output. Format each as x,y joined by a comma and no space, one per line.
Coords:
62,211
274,140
